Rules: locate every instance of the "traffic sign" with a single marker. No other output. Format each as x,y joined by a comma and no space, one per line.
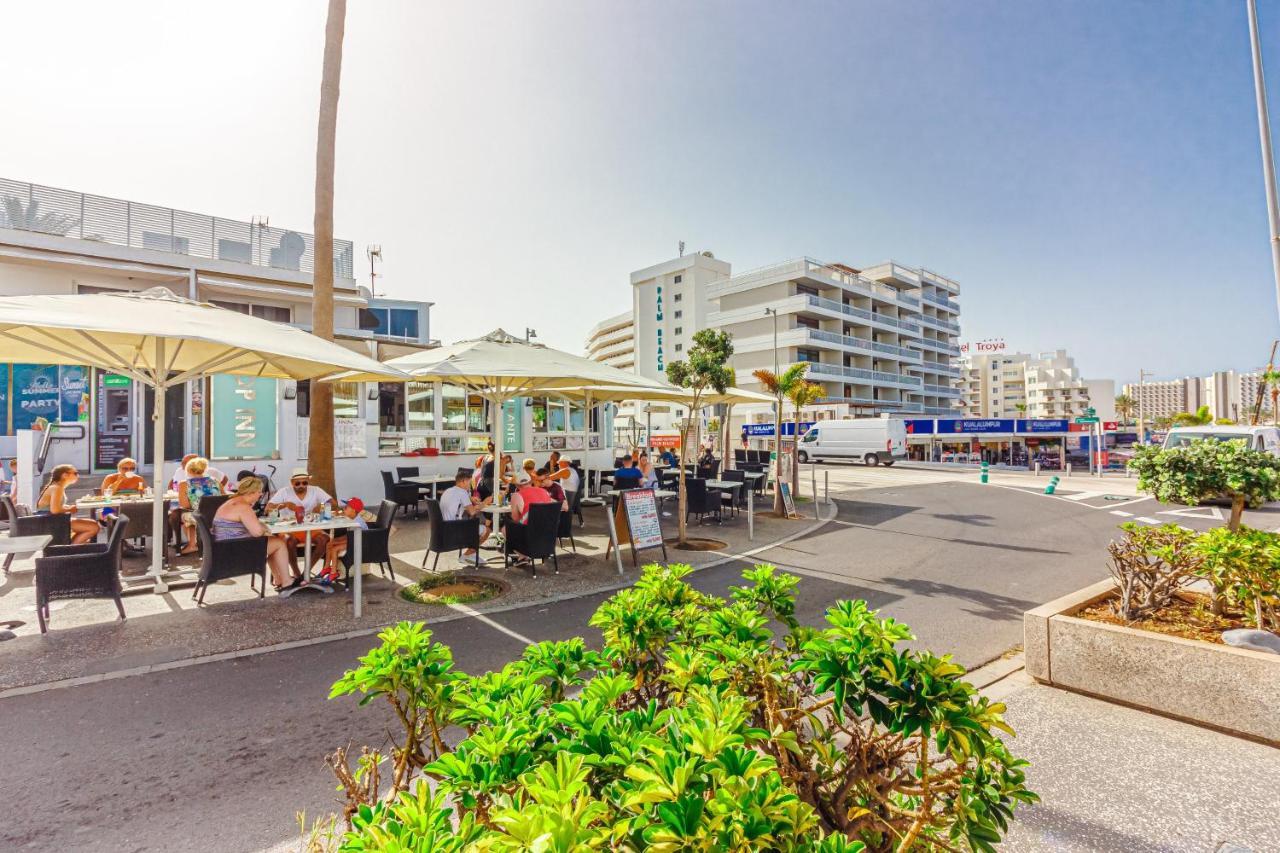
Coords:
1086,420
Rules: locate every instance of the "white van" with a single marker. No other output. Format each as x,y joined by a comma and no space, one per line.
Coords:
873,440
1259,437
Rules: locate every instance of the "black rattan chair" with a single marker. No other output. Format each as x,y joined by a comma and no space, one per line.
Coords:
701,501
575,503
403,495
23,523
375,543
80,571
450,535
735,499
566,521
228,558
536,538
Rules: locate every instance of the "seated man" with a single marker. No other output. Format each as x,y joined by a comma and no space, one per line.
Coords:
525,497
627,476
545,480
125,479
302,497
457,503
566,476
668,458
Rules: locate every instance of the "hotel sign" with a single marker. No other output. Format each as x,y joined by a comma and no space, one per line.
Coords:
658,317
244,417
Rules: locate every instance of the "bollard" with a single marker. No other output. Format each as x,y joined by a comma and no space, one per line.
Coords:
751,515
1068,469
1037,469
826,486
984,476
1053,485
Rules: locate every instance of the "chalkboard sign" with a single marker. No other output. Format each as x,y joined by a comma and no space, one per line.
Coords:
788,502
637,523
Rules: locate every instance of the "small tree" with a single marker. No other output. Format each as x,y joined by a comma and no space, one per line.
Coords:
779,385
1150,565
705,370
724,426
802,394
1200,417
1207,469
1244,566
1124,407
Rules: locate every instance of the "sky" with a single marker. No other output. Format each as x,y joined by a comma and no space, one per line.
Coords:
1088,171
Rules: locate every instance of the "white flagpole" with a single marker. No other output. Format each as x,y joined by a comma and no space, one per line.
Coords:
1264,133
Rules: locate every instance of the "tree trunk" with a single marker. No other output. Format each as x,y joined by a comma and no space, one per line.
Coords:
777,462
795,456
320,441
682,500
1237,511
725,455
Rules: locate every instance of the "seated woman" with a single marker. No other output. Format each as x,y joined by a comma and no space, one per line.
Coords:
648,476
198,485
53,501
235,519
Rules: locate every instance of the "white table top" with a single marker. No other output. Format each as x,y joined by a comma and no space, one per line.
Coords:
724,484
99,502
340,522
24,544
427,481
494,509
755,475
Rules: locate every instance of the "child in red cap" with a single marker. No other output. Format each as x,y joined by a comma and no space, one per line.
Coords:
354,510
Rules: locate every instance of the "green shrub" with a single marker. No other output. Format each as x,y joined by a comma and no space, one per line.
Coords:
1208,469
693,728
1149,565
1244,566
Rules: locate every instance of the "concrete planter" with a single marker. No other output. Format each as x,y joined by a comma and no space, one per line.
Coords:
1226,688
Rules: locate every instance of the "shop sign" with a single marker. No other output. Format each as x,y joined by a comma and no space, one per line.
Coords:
788,428
35,394
988,346
4,399
1048,425
918,427
512,425
664,441
73,388
244,417
1110,426
976,426
658,317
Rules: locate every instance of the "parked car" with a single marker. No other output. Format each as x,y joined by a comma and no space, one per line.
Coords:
875,441
1259,437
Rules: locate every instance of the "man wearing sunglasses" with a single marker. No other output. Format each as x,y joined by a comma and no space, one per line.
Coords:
302,497
125,479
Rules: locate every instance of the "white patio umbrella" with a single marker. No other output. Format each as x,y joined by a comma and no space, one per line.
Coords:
500,367
161,340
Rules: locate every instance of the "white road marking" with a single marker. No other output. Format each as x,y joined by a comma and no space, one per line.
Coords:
1084,496
1122,513
1146,520
1210,512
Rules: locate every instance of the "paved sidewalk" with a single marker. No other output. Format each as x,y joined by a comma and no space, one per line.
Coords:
1114,778
86,640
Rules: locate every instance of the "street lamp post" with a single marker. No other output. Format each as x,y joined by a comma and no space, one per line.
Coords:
777,414
1142,384
1264,134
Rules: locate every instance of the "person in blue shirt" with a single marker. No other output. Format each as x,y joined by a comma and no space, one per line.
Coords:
668,458
628,476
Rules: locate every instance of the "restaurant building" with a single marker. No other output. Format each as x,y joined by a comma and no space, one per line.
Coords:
1012,442
55,241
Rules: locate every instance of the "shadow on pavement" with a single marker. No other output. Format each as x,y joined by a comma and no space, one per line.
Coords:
974,518
991,605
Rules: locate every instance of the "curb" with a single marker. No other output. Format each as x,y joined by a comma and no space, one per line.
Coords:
462,612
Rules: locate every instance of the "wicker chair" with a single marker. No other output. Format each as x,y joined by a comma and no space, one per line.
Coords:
566,521
401,494
23,523
450,535
80,571
375,543
700,500
536,538
228,558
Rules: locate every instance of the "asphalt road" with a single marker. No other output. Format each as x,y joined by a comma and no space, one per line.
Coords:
222,756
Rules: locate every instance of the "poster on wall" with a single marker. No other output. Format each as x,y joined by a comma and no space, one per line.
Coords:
245,413
73,394
513,425
35,394
558,442
348,438
541,442
574,442
4,399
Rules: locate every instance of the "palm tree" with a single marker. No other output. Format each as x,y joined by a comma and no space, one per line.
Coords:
779,386
1200,417
803,393
1270,380
1124,407
320,443
1021,407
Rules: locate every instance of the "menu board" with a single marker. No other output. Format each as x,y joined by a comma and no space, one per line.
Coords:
788,502
642,518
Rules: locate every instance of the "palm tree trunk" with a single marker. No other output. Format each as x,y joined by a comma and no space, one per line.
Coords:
320,442
682,499
795,456
777,462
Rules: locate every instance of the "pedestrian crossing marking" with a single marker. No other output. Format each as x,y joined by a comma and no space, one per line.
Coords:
1083,496
1146,520
1210,512
1122,513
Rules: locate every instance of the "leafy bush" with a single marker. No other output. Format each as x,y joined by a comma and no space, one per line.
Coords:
692,729
1149,565
1245,567
1207,469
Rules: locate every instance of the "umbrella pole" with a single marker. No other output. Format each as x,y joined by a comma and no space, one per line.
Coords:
158,538
498,415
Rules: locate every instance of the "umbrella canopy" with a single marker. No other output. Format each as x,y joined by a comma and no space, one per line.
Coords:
663,393
500,364
153,334
161,339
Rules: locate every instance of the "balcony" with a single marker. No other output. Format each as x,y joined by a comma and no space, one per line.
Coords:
837,372
939,324
817,335
949,304
937,346
65,213
936,367
944,411
869,316
890,405
941,390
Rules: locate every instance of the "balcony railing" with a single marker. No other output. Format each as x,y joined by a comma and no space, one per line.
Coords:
819,369
850,311
863,344
891,405
941,390
941,300
936,323
66,213
937,346
935,367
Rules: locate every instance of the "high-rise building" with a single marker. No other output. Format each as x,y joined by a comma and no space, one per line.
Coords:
1228,394
1047,385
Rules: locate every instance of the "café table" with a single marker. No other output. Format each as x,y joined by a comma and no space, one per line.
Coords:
727,486
338,522
94,502
433,482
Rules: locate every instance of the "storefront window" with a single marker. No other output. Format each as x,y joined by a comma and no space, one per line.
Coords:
476,421
346,399
454,401
451,444
539,414
421,405
577,417
555,417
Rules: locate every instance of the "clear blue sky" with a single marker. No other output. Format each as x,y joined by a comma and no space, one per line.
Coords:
1089,171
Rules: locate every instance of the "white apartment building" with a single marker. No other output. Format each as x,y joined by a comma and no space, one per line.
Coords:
55,241
879,340
1228,394
1020,385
